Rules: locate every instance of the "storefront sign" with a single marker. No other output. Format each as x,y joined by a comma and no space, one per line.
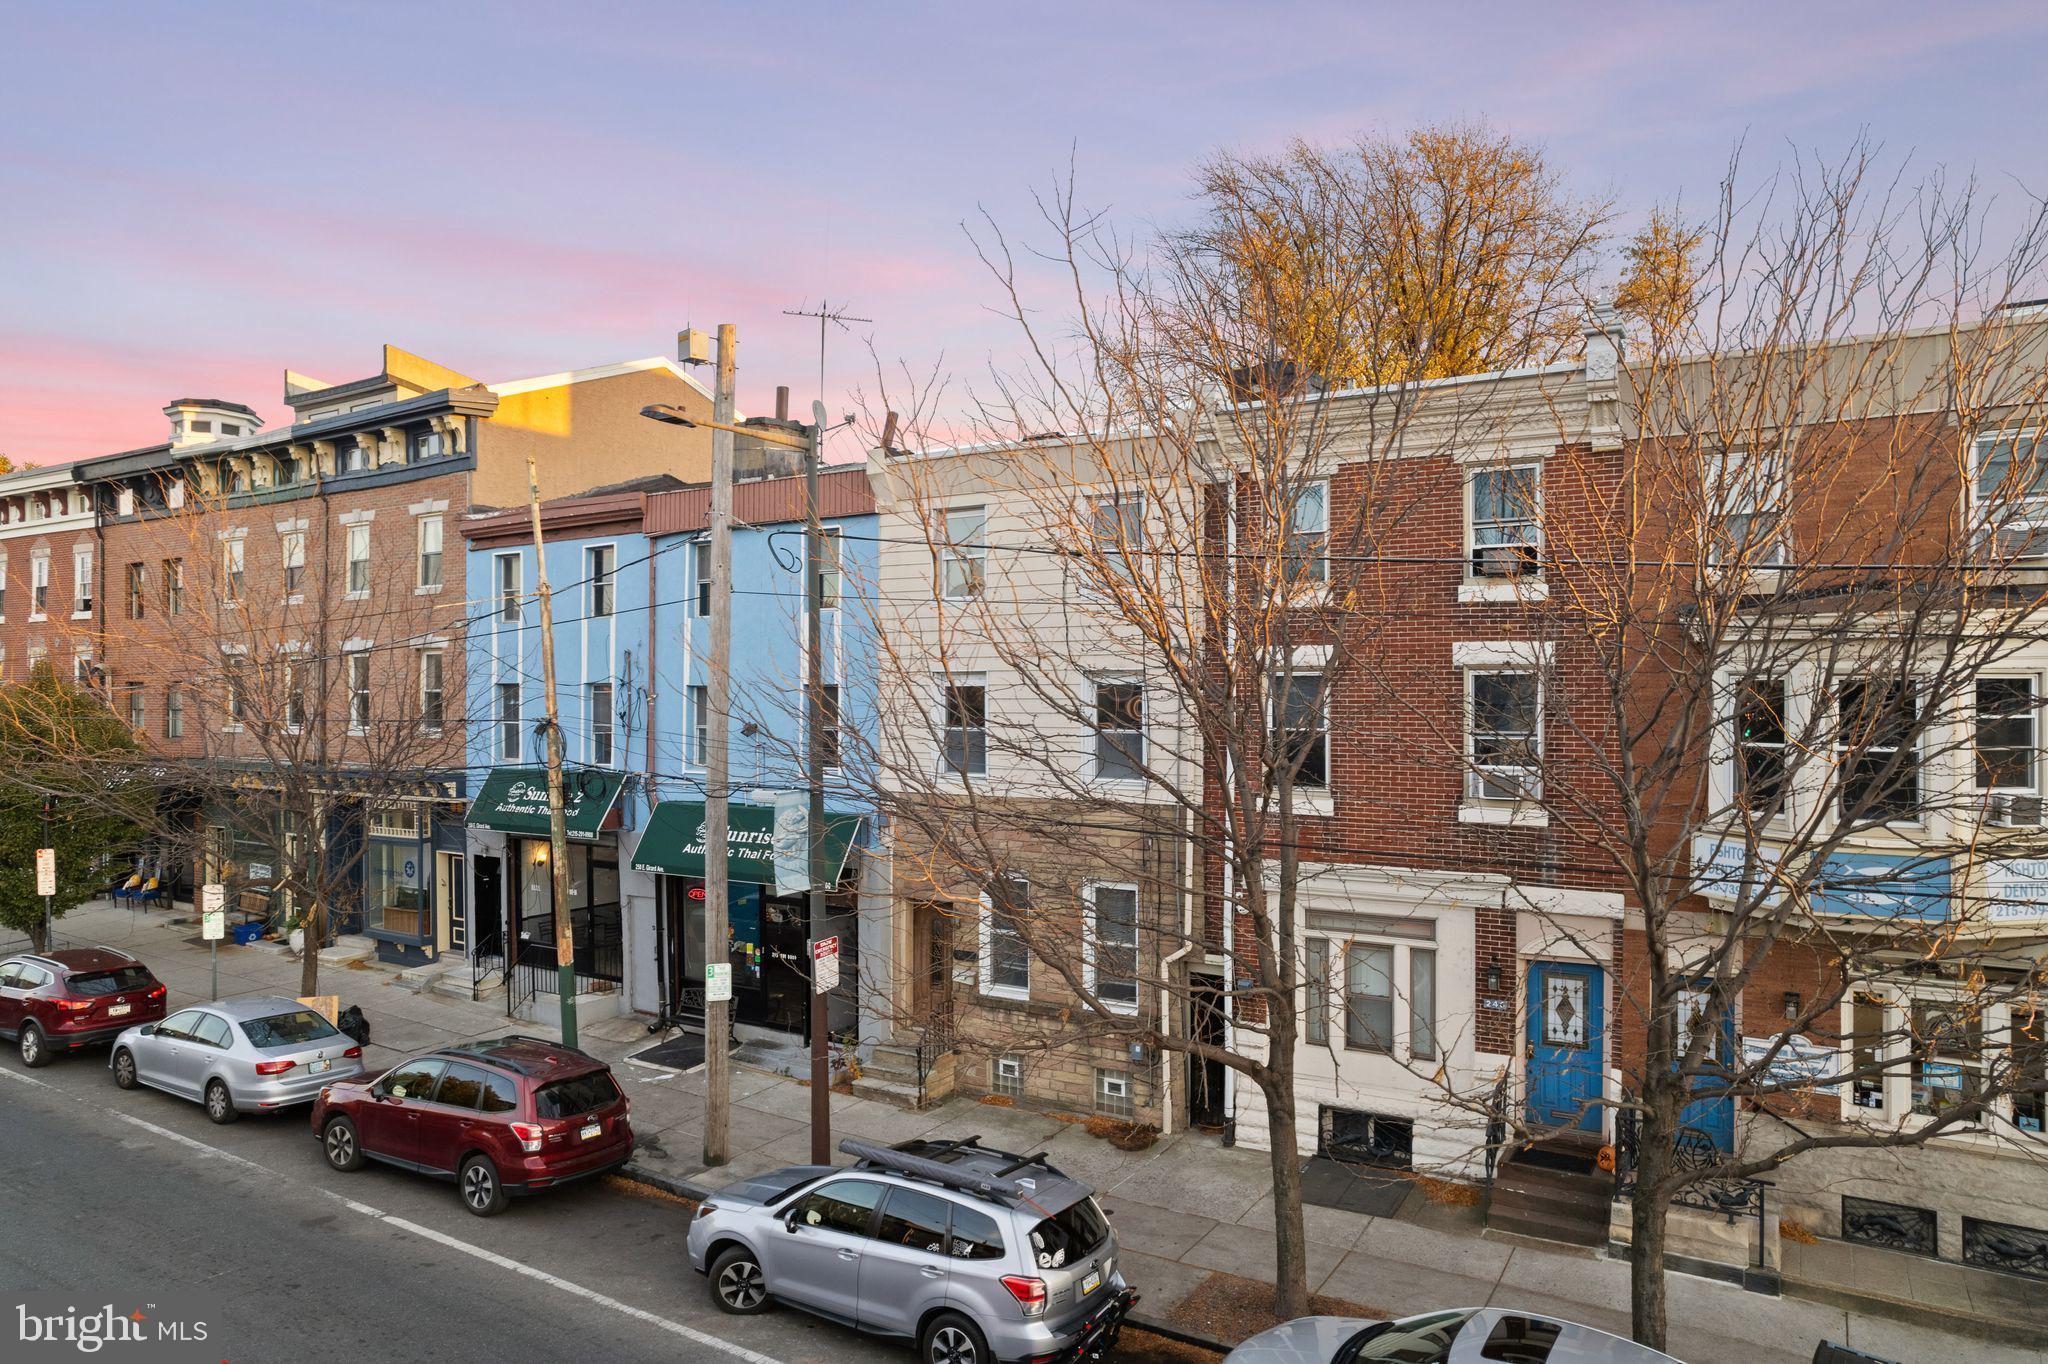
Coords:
1866,884
213,914
825,965
2016,890
514,800
46,871
717,982
674,843
1798,1061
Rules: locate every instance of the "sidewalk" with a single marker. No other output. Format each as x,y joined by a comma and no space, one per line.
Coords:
1185,1209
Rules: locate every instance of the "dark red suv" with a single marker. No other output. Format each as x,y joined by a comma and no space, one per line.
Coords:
508,1116
73,997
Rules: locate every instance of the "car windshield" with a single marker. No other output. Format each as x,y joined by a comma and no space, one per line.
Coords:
294,1029
582,1094
95,983
1412,1340
776,1184
1066,1236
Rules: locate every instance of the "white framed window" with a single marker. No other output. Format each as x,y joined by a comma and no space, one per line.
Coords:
1745,498
508,721
174,711
1117,521
700,577
511,584
2007,734
700,725
232,571
359,559
3,585
2011,483
963,558
1369,997
1109,958
1503,734
601,723
828,729
1119,730
1315,970
136,718
1876,756
138,591
236,689
1502,517
355,456
1422,1040
1917,1050
39,585
433,682
963,720
1113,1093
1005,959
600,571
358,665
81,581
1006,1077
174,587
430,553
292,551
294,697
1759,746
428,445
1305,544
1301,728
831,573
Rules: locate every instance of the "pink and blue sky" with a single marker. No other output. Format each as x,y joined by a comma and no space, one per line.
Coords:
194,197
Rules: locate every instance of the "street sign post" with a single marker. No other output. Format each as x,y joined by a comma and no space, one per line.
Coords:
213,923
46,880
825,965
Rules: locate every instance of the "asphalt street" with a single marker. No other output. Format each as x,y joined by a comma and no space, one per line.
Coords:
115,1196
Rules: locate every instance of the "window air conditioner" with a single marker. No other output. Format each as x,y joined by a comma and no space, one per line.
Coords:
2015,811
1503,561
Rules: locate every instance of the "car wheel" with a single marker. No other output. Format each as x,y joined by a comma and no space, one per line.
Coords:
737,1283
124,1068
339,1142
220,1105
35,1048
482,1194
953,1339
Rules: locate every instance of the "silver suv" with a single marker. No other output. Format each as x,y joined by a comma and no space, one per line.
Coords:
979,1256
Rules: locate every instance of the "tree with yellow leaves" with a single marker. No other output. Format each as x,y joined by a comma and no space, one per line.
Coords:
1659,282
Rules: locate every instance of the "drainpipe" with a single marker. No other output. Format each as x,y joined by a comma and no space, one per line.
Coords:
1170,960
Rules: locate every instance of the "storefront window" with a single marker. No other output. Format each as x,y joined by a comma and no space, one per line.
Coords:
1948,1042
1867,1041
2030,1069
393,880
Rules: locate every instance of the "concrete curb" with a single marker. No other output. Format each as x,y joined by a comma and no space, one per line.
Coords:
1989,1330
1175,1333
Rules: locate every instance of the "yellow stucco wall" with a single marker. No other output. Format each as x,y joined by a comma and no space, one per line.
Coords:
589,435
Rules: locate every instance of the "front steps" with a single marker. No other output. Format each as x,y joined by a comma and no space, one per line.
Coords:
889,1074
1553,1191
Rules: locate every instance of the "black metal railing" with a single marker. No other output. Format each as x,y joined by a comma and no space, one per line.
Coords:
1496,1125
935,1041
487,967
1693,1150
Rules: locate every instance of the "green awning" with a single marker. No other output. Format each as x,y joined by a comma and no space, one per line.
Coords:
515,801
674,842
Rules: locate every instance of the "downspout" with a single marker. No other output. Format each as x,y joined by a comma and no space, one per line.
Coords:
1170,960
1229,916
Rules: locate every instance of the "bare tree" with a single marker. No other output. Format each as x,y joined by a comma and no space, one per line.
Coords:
1111,636
1792,595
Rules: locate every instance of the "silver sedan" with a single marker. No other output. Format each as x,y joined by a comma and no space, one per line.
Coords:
1465,1336
237,1056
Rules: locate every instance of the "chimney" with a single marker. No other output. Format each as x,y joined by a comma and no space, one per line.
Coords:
1606,342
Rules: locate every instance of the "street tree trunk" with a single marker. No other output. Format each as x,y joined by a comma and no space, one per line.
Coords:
1290,1236
1649,1212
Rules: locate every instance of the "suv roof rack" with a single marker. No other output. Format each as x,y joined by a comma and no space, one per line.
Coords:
918,1160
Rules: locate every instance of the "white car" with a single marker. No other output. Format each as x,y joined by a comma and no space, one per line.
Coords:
237,1056
1469,1335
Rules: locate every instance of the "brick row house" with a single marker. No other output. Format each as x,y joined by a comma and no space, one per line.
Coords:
282,610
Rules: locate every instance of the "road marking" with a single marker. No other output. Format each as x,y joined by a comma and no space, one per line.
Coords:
25,1079
691,1333
199,1146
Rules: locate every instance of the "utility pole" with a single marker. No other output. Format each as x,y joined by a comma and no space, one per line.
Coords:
717,779
814,765
814,738
558,824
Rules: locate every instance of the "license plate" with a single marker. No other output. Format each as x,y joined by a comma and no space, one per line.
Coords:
116,1010
592,1129
317,1066
1091,1283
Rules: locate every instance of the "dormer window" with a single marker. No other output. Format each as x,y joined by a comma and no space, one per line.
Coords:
230,429
202,426
428,445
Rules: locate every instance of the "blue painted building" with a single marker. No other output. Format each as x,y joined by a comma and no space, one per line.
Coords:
630,573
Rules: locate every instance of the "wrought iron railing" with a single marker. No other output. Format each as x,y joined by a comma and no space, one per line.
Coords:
1693,1150
487,966
1496,1125
935,1041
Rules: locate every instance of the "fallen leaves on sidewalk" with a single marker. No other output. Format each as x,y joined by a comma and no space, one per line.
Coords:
1136,1346
1230,1307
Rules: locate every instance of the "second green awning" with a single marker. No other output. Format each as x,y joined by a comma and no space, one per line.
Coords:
515,801
674,842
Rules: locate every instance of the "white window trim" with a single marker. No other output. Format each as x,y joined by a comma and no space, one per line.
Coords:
1970,720
1526,587
590,723
591,581
1504,653
82,595
1976,496
940,682
1089,937
1315,800
39,562
419,550
1400,1048
1520,812
1775,497
499,721
1899,998
351,650
1092,736
948,551
1926,778
348,560
986,963
498,562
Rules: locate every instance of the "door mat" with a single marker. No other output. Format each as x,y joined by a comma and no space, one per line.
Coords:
678,1053
1354,1188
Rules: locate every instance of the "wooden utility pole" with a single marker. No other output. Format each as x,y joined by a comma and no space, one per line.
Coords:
814,764
558,824
717,693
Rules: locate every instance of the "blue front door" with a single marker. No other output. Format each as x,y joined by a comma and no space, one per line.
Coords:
1715,1116
1564,1052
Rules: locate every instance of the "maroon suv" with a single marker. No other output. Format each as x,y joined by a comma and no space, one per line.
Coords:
500,1117
73,997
